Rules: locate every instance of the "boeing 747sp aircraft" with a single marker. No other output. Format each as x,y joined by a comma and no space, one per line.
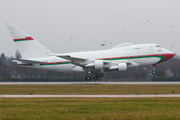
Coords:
94,63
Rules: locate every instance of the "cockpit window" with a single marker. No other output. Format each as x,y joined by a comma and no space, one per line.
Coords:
158,46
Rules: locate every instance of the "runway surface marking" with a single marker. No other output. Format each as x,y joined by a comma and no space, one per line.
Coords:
66,83
96,96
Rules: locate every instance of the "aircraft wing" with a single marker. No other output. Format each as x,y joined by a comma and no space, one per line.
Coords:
77,60
30,61
72,58
82,61
98,63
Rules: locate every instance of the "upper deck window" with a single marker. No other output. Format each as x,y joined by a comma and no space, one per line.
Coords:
158,46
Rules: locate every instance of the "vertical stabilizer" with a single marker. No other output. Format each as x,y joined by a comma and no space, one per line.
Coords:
27,46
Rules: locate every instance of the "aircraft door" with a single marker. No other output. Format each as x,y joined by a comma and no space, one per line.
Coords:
54,65
148,55
128,58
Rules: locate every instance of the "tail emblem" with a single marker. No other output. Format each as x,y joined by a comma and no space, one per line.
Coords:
23,39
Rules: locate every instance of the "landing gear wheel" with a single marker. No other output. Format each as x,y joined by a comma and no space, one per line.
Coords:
95,78
101,75
99,78
153,71
92,77
97,75
87,78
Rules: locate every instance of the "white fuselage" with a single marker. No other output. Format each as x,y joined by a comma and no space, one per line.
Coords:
137,55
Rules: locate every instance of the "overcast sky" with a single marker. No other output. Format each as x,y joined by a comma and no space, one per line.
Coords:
80,25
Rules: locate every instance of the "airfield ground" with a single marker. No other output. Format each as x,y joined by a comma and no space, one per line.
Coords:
91,89
89,108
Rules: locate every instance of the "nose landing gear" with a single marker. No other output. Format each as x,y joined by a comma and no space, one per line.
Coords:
153,72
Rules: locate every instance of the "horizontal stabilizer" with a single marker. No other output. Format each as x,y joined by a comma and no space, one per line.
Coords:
30,61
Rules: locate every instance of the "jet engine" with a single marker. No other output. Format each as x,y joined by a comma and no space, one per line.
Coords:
120,67
98,64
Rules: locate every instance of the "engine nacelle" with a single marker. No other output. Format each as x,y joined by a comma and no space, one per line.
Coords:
98,64
122,66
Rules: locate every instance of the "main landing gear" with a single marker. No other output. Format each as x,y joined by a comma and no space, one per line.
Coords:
94,76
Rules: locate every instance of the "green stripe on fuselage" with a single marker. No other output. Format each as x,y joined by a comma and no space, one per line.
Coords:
161,59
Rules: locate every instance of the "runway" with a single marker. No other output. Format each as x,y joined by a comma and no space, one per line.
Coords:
66,83
90,96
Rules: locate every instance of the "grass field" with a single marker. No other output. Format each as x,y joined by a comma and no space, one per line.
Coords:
90,89
90,109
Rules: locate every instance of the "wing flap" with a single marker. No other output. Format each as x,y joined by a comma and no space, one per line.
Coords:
68,57
77,60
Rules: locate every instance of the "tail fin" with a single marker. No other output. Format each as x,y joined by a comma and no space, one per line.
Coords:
27,46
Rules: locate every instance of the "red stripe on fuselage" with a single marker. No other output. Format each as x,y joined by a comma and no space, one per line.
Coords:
167,57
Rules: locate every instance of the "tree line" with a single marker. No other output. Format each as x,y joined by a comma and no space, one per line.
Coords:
11,71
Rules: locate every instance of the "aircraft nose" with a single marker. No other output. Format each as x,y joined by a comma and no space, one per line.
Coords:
169,55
